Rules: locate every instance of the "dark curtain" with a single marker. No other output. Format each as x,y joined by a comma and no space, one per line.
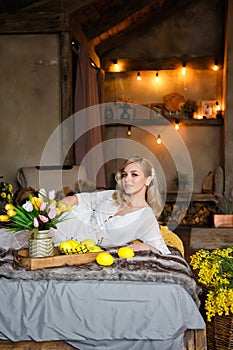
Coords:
89,90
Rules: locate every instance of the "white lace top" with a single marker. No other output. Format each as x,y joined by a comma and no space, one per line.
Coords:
94,217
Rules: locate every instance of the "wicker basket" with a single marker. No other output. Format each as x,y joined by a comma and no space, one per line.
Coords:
220,330
220,333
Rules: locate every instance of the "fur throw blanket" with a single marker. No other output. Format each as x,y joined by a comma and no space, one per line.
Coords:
145,266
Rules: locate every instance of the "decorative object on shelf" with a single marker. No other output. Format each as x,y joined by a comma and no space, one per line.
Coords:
215,274
219,181
208,183
209,109
188,109
173,103
37,214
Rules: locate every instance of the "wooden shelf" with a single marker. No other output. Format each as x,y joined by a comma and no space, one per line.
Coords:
147,122
196,197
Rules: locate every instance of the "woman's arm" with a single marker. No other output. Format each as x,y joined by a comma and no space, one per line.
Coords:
70,200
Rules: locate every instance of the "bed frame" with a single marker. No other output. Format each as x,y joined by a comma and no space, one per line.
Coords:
193,340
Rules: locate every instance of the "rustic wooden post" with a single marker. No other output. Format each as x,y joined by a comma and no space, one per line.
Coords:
228,84
66,95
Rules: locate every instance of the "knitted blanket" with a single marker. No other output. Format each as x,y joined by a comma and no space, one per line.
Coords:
145,266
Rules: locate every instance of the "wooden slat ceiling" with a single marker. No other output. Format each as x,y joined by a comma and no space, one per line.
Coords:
107,25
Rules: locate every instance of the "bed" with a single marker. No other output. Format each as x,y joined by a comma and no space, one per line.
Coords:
143,303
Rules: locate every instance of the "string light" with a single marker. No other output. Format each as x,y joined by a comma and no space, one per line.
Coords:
129,132
116,65
157,77
217,106
159,141
184,70
177,124
139,76
216,67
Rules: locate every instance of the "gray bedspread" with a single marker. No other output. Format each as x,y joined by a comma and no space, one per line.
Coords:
142,303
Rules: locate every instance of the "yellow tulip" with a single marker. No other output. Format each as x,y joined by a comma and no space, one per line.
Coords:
36,202
4,218
58,211
11,212
9,206
3,194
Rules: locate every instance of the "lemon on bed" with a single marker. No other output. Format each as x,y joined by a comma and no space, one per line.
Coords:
125,252
88,242
94,249
105,259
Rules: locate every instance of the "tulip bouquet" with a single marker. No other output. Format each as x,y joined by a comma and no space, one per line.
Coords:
40,212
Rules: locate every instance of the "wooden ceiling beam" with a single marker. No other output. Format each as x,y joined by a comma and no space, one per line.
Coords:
29,23
78,34
71,6
138,16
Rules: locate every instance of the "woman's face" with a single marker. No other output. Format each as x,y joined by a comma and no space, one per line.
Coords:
133,179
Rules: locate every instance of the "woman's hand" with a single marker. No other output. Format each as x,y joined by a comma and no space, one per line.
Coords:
142,246
70,200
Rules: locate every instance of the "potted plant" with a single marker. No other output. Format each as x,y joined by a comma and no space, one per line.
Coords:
37,215
215,276
224,215
189,107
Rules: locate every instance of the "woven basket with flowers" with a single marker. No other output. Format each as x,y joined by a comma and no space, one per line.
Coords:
215,274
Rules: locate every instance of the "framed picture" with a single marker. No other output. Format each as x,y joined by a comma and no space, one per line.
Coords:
208,108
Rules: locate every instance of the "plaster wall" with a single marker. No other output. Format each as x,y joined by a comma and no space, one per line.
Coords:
29,99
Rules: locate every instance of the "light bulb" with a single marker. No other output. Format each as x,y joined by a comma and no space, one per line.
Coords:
176,124
139,76
216,67
116,65
129,132
159,141
157,77
183,71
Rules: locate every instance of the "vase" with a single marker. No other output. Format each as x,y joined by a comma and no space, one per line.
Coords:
223,220
41,245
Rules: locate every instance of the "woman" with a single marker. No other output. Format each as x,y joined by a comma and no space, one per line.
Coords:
116,218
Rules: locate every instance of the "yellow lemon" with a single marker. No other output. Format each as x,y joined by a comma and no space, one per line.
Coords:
81,248
94,249
105,259
125,252
88,242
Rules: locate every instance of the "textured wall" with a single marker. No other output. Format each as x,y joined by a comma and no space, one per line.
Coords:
29,99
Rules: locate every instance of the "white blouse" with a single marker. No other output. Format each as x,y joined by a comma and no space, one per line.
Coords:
94,217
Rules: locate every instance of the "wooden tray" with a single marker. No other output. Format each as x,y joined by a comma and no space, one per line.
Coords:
21,258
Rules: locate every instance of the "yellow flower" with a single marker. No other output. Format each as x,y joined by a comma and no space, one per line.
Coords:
3,195
4,218
9,206
36,202
11,212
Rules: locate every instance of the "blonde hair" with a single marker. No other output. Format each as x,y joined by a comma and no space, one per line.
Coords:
153,196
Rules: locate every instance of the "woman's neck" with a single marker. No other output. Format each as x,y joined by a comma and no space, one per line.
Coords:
137,201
